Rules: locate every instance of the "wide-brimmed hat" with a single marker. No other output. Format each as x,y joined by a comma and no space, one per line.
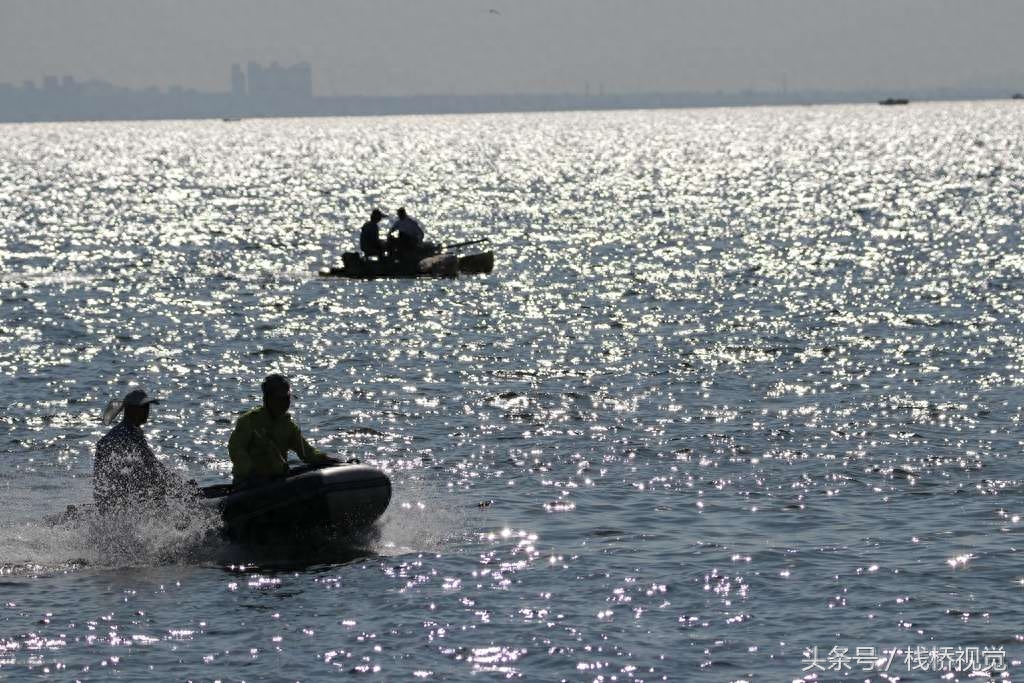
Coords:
138,397
133,399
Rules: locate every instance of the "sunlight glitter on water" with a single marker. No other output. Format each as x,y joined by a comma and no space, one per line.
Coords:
729,362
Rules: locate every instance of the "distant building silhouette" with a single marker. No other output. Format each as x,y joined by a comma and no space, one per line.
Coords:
275,81
237,81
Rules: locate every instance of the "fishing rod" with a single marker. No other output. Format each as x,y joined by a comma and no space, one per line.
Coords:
466,244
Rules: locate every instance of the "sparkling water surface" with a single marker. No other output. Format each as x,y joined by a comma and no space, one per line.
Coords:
744,383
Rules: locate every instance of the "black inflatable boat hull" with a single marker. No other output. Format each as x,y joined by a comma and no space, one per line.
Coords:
340,499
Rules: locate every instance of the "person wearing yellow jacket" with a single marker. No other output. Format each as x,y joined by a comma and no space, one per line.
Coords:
263,436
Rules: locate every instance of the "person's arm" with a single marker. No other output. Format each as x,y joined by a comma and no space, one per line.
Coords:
104,487
305,450
238,448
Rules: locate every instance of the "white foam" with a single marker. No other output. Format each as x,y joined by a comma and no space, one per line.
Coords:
420,520
180,532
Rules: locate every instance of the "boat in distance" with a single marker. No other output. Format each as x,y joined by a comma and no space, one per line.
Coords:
357,266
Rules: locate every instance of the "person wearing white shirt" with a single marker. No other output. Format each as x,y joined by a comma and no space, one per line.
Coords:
406,234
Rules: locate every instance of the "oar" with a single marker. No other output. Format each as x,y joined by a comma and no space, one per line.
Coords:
466,244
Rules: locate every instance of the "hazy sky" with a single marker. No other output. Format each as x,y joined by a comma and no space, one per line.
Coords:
490,46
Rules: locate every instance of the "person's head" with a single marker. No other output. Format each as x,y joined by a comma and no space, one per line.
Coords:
136,407
277,394
401,212
376,215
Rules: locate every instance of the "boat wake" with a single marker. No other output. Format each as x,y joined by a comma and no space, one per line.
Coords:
179,532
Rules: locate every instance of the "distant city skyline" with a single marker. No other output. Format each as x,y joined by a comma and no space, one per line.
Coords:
452,47
255,79
258,90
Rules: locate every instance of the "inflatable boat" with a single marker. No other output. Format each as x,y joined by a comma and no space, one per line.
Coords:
339,499
428,260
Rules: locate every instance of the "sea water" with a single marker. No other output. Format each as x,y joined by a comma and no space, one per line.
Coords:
741,400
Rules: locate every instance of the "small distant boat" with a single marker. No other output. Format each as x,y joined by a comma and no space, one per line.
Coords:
894,100
1018,96
429,263
230,119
